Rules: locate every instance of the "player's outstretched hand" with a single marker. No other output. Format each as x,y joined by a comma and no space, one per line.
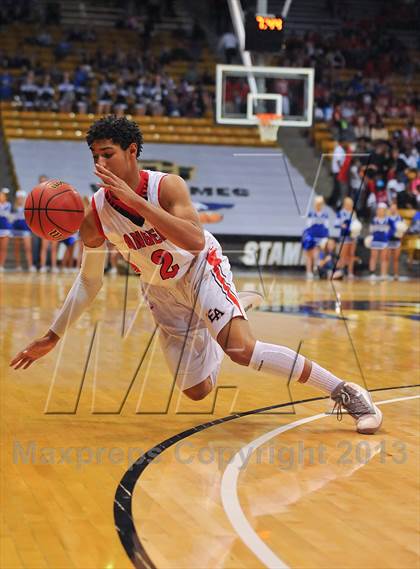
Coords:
35,350
117,187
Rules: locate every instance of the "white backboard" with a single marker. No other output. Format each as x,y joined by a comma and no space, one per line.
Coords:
243,92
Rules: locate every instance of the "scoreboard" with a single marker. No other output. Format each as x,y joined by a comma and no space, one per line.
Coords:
263,32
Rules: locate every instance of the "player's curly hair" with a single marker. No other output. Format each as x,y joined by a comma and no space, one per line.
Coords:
118,129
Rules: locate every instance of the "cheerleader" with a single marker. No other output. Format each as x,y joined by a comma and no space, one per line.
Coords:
349,227
67,263
86,203
396,231
45,244
327,260
5,225
378,241
21,233
315,232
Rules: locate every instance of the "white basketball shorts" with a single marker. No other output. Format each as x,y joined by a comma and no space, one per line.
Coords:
191,313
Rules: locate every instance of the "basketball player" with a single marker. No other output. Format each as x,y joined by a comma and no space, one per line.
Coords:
186,279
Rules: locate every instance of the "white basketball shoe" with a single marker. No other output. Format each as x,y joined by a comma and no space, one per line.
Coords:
358,403
250,299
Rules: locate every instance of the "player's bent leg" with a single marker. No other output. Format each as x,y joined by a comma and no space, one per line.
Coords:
199,391
238,343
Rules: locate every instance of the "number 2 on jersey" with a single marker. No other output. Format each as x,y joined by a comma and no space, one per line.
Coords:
165,259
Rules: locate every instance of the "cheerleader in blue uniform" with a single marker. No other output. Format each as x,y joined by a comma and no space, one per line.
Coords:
315,232
347,224
379,231
21,233
5,225
67,263
397,228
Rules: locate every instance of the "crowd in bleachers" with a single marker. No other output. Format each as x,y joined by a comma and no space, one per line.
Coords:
373,161
136,92
380,171
117,79
375,165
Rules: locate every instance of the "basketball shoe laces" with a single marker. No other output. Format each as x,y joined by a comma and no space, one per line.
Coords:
352,401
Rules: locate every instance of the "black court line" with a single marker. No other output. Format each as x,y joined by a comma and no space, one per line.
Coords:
123,515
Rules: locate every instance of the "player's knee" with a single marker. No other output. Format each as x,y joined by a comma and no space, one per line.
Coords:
241,354
199,391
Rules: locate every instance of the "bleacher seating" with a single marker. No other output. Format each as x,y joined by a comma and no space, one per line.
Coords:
69,126
61,126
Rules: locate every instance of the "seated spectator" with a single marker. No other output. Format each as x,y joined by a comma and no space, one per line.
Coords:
6,85
362,129
121,98
410,133
379,131
408,155
336,59
172,105
62,50
414,228
328,260
394,187
106,93
46,95
66,94
140,94
407,200
44,39
81,98
380,190
415,183
29,92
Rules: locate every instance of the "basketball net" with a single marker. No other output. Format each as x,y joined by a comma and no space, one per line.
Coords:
268,124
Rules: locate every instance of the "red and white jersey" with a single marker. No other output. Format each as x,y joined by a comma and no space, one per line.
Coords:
149,252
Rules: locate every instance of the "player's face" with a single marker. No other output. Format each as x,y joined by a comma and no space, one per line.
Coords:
113,157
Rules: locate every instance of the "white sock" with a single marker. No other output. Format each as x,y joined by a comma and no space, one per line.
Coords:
322,379
281,360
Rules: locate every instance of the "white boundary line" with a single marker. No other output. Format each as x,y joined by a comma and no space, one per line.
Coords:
229,489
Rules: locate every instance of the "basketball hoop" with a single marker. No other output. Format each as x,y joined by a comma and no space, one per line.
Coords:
268,124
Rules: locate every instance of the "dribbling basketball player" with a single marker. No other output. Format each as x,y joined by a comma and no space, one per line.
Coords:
186,279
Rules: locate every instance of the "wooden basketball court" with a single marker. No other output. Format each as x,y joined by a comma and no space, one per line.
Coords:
222,482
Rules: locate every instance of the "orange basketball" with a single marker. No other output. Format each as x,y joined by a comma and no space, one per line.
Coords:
54,210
